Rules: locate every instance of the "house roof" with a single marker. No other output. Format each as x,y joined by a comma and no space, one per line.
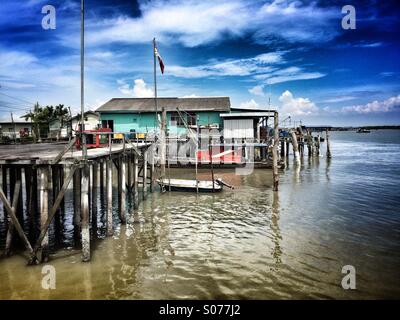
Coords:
248,115
90,112
15,122
123,105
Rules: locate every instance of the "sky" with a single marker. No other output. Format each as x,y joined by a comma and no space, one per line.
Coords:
293,56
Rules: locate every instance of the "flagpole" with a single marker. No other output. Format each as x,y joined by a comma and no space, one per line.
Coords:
83,137
155,80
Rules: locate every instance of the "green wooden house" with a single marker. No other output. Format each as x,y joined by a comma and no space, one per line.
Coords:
139,114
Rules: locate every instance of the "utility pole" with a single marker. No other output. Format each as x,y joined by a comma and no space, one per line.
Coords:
15,128
83,136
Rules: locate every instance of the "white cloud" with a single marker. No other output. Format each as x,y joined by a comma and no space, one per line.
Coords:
251,104
16,58
257,90
266,67
194,23
139,90
289,74
233,67
338,99
191,96
391,104
296,106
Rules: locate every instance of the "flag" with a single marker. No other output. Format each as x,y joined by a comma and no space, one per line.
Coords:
160,60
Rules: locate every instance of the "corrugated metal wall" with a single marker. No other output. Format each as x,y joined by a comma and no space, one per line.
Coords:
238,129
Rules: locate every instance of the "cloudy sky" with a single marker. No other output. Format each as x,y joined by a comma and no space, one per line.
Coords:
295,52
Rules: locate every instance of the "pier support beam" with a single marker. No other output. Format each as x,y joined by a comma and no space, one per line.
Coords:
109,220
287,147
163,146
77,198
122,211
275,173
85,233
44,209
152,165
328,146
145,155
136,182
295,147
95,173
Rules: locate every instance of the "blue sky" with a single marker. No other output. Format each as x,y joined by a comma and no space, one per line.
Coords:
295,52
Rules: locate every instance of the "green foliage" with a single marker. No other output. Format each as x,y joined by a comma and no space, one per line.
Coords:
42,116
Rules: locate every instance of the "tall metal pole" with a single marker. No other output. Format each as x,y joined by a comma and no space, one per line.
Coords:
15,127
155,80
275,173
83,137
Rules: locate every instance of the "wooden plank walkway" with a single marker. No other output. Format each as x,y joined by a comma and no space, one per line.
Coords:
44,153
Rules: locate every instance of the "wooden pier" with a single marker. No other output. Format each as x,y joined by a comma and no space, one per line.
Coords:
45,171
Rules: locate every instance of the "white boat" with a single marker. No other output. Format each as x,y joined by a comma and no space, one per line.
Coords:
190,185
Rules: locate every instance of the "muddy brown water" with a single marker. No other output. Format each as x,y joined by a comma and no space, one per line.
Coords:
246,243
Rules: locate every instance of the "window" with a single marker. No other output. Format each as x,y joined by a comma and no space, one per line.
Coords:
176,119
191,118
108,124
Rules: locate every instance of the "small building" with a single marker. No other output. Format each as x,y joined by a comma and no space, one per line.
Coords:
138,115
72,125
248,126
92,121
16,129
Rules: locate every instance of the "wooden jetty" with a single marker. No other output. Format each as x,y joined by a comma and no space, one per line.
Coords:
41,169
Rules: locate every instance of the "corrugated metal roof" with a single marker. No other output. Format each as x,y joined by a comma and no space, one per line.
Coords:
248,114
122,105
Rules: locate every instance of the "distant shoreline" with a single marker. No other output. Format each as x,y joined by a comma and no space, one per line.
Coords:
365,127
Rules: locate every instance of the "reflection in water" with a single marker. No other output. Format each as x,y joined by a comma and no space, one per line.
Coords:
249,242
277,251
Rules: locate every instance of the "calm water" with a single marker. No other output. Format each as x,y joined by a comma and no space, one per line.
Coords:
247,243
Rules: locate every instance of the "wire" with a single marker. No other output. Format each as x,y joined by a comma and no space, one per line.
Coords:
13,108
23,100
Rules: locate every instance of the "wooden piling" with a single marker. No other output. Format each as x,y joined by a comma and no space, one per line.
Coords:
309,143
145,155
77,198
102,176
163,147
4,176
152,165
20,207
122,212
95,174
275,153
295,146
10,230
55,182
109,199
328,146
136,182
44,208
287,148
85,232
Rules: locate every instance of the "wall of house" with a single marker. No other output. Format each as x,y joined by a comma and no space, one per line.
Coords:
146,122
7,130
91,122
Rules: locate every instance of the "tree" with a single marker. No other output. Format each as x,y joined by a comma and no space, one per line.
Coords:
41,117
61,113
